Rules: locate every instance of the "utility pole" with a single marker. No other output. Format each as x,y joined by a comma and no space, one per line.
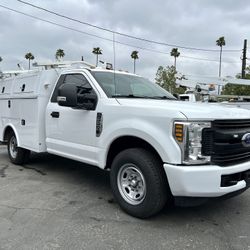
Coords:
244,58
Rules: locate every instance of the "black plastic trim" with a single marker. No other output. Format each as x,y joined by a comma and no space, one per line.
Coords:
183,201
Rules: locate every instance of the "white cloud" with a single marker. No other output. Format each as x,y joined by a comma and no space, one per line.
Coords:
194,23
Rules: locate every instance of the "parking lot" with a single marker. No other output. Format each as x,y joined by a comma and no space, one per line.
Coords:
56,203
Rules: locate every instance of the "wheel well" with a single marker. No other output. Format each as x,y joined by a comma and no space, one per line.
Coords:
7,133
126,142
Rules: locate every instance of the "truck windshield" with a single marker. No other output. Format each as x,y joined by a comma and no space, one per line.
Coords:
129,86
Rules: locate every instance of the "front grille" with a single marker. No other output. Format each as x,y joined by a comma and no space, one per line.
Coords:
235,124
223,142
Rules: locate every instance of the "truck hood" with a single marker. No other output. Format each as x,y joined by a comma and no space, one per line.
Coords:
204,111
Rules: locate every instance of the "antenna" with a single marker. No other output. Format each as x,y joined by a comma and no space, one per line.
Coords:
114,60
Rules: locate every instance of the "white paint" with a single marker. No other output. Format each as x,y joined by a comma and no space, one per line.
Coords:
73,134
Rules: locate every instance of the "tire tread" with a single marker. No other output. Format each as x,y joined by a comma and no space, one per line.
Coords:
156,178
22,153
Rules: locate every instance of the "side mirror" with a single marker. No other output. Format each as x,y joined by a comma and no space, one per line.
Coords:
87,101
70,95
67,95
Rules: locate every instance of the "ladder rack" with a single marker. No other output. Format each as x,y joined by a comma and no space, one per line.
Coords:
63,64
11,73
47,66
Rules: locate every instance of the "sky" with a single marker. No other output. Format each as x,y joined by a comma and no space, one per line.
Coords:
193,23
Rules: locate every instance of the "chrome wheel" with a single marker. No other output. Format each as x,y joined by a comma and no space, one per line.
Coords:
131,184
13,147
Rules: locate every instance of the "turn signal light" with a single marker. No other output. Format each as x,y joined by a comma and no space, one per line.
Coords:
178,132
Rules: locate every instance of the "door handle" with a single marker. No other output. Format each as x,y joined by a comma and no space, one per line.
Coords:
55,114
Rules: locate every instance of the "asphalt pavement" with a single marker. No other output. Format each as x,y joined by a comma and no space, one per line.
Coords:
56,203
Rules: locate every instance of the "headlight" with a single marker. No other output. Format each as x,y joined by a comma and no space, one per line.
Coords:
189,135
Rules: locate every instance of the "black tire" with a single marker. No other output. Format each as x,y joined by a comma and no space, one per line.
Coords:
16,154
145,166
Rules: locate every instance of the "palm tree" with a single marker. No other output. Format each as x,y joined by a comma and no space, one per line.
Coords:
220,42
1,59
60,54
97,51
134,55
29,56
175,53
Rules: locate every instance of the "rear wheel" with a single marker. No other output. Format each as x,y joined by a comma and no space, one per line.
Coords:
139,182
17,155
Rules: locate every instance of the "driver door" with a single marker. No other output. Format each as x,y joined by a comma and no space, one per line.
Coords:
71,132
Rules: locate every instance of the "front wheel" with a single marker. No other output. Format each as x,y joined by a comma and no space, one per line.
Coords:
139,182
16,154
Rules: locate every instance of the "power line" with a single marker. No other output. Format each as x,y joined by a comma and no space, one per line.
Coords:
107,39
122,34
54,23
79,31
207,59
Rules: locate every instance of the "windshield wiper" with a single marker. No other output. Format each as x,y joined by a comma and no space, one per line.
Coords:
143,96
129,96
164,97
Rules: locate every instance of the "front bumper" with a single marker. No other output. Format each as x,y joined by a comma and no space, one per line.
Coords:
204,180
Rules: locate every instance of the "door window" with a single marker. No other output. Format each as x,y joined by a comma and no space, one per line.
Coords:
78,80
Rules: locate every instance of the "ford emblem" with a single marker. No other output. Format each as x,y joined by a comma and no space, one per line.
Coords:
246,140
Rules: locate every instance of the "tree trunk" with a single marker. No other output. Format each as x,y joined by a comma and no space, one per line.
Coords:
220,62
220,69
29,64
134,66
96,60
175,62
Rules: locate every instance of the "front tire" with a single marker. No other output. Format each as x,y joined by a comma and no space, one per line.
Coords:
139,182
16,154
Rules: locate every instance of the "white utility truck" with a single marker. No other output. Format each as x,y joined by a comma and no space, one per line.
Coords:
156,148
